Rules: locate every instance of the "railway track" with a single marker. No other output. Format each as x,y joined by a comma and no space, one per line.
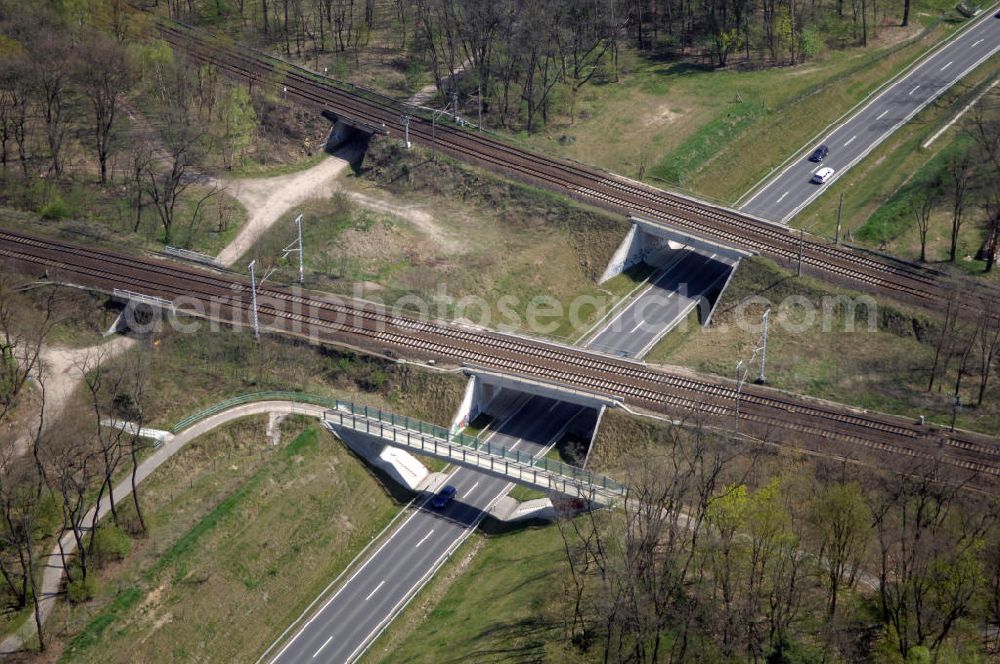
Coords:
820,427
903,281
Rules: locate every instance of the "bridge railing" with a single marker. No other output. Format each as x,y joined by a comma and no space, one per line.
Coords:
300,397
438,441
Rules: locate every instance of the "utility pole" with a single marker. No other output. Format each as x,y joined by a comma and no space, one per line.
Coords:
454,101
739,388
763,347
253,300
302,266
479,94
954,411
405,119
840,217
802,243
434,117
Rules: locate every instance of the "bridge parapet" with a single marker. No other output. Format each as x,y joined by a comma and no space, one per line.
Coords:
474,452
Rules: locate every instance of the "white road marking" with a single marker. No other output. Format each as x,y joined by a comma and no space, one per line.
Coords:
915,88
850,140
782,197
468,494
812,171
637,326
424,539
380,584
945,67
976,43
322,646
882,115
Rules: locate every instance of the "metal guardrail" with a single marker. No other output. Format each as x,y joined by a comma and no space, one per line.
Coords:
301,397
434,440
437,441
195,256
151,300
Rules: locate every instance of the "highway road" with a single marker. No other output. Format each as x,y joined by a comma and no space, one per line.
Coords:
664,303
372,595
791,190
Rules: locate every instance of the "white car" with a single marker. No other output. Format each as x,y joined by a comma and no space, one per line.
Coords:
822,175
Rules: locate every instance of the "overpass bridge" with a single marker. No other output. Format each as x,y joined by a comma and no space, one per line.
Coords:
472,452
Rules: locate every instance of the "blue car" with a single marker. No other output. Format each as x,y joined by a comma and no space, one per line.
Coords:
444,497
819,154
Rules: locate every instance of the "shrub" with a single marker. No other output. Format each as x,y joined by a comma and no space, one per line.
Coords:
110,544
55,210
81,590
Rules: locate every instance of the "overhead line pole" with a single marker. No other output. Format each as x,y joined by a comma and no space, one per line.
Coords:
253,300
302,266
763,347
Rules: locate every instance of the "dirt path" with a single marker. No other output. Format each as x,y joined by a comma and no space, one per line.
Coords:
61,367
62,370
429,92
267,199
423,221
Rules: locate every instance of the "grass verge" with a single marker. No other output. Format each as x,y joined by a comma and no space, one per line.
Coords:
880,363
249,565
447,621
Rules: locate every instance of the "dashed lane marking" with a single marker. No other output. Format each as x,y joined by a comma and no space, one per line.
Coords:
322,646
380,584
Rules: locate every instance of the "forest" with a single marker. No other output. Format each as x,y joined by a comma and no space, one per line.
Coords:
523,58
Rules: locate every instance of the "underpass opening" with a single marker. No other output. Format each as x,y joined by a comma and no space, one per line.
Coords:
349,138
681,272
489,395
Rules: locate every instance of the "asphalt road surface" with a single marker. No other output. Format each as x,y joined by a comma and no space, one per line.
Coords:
368,600
667,300
791,190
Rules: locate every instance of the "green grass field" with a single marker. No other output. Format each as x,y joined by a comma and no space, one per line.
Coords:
263,545
885,368
484,250
516,575
878,191
717,132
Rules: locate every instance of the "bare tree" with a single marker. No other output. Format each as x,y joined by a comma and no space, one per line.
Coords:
51,82
140,161
15,98
21,493
929,570
923,206
166,188
989,339
104,74
946,337
840,522
991,227
960,175
24,328
72,466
